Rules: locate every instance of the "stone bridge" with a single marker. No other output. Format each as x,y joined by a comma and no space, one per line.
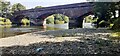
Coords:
75,12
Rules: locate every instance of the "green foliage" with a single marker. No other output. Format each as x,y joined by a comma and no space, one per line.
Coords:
61,19
105,10
18,7
66,19
57,19
50,20
116,24
102,10
6,10
88,19
2,19
111,25
25,21
59,22
103,23
2,23
8,22
5,21
4,7
117,21
38,7
95,19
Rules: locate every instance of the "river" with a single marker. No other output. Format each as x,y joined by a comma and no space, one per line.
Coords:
12,31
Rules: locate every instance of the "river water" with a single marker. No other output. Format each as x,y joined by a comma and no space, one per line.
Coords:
12,31
7,31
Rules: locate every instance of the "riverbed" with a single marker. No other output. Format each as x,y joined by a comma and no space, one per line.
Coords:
84,41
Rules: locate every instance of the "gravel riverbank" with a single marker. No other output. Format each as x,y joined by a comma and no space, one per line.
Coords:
72,41
74,32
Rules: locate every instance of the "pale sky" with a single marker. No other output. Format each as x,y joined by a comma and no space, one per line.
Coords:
45,3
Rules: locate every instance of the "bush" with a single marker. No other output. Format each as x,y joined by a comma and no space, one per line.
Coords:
88,19
8,22
2,23
103,24
25,21
59,22
2,19
111,25
116,24
60,19
50,20
57,19
66,19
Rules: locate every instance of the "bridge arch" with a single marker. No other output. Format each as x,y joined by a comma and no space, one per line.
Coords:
43,17
81,18
17,19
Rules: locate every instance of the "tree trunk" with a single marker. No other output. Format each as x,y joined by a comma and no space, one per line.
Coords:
114,14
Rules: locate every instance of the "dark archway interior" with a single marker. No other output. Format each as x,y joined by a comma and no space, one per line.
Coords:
80,19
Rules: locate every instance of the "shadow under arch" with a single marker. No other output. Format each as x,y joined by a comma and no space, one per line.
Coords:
17,19
80,19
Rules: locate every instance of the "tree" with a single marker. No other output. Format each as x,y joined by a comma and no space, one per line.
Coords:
118,8
57,19
4,7
66,19
104,11
18,7
38,7
50,20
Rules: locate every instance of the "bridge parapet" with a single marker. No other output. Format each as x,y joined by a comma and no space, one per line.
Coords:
69,6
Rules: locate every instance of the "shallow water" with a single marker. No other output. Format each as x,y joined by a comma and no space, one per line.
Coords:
12,31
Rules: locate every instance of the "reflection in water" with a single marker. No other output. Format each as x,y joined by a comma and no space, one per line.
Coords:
1,31
6,31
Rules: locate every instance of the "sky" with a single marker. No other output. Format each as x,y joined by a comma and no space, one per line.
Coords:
45,3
